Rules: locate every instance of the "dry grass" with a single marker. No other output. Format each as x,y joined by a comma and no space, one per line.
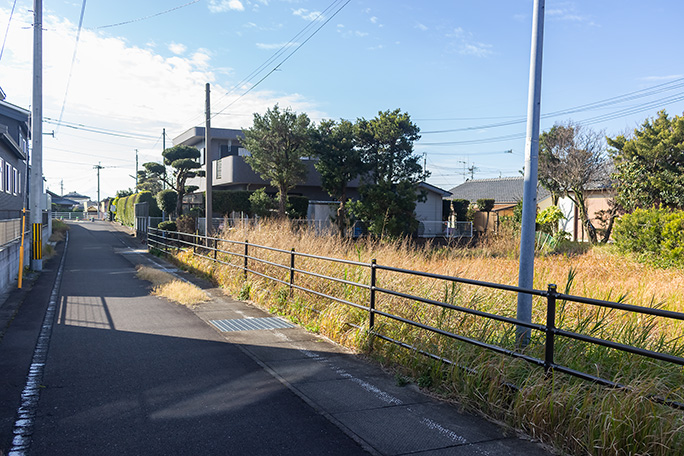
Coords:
576,416
169,287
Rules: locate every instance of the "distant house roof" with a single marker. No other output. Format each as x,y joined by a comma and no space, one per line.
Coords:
432,188
76,195
60,200
501,190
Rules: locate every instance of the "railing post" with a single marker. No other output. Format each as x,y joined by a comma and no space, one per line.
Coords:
550,326
215,248
246,254
371,317
292,268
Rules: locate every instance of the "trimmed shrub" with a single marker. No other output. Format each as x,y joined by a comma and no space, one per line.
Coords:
226,201
460,208
125,207
186,224
297,207
167,225
166,200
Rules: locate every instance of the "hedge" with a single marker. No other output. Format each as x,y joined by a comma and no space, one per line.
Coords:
656,235
125,207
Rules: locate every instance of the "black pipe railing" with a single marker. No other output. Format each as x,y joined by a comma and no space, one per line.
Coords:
208,248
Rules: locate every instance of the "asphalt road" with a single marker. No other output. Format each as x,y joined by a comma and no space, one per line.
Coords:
132,374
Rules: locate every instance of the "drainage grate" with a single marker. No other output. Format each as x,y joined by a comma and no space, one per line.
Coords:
251,324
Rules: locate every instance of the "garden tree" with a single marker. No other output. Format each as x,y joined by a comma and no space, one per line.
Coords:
339,161
124,193
149,180
167,200
571,159
649,166
183,160
389,188
486,205
277,142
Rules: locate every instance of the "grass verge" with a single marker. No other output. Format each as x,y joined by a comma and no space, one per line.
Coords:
169,287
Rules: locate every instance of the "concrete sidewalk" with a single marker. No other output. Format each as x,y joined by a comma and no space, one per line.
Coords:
357,397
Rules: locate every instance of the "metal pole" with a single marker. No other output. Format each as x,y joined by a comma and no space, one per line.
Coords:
136,170
550,327
36,190
208,213
529,214
371,317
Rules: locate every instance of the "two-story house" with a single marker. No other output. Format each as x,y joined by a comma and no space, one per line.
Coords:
14,136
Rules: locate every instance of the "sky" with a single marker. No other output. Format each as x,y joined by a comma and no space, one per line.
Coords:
460,69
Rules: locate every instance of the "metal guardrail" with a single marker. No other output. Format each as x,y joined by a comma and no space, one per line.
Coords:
208,248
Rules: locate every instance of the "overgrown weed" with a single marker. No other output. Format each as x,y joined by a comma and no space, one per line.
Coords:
577,416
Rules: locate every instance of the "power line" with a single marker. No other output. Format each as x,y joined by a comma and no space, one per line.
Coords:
102,131
649,91
146,17
2,50
277,67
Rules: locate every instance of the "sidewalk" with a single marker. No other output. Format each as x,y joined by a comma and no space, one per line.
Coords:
357,397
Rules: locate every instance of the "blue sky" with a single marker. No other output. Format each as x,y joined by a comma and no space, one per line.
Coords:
452,65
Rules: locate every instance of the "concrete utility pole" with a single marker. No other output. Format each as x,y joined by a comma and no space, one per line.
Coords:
208,215
529,212
98,167
163,149
136,170
36,188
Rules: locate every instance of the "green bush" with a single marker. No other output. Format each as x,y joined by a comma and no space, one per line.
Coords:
166,200
226,201
168,225
297,207
655,235
261,203
125,207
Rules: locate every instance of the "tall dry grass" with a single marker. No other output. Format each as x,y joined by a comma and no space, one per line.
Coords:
575,416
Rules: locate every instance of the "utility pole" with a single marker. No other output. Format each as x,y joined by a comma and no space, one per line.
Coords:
98,167
136,170
61,186
529,211
424,166
163,149
208,215
36,188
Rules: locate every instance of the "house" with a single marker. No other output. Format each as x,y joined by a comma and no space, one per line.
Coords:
508,191
81,200
62,203
231,172
14,136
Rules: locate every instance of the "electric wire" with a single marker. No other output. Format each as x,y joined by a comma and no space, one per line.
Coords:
147,17
73,62
279,52
2,49
102,131
277,67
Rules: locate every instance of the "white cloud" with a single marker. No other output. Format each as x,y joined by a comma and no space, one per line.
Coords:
374,20
216,6
307,15
177,48
118,87
465,44
422,27
274,45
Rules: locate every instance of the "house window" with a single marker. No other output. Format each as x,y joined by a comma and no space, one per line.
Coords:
218,169
15,181
2,175
242,152
7,171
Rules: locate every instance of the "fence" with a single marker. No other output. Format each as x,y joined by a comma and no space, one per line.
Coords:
69,215
218,250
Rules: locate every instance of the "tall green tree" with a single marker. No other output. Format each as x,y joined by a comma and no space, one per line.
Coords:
649,165
183,160
389,189
277,142
572,159
339,162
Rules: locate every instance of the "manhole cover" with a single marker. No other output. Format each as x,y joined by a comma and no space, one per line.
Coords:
251,324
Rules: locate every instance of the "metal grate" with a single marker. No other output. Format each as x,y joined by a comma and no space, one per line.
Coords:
251,324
